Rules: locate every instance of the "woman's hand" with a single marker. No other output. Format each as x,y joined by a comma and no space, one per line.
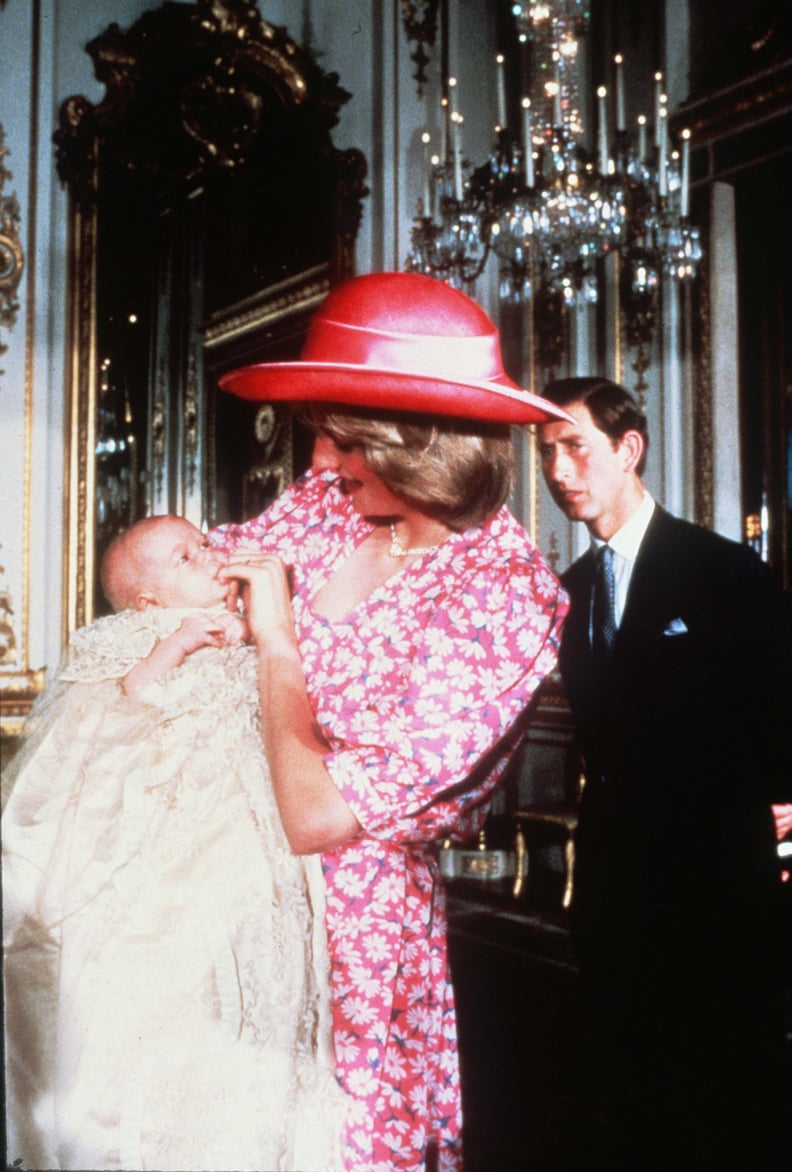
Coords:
266,596
314,815
782,815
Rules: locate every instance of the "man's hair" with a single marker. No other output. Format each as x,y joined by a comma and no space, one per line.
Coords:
458,472
612,408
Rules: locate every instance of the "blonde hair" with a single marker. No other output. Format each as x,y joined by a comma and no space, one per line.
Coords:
458,472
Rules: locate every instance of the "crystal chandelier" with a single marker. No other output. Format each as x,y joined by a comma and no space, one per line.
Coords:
545,206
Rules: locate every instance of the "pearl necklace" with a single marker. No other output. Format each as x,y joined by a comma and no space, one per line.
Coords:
397,550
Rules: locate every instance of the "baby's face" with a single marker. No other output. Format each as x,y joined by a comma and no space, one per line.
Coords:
184,568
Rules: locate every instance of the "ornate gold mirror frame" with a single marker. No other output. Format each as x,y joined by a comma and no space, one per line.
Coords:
79,516
206,179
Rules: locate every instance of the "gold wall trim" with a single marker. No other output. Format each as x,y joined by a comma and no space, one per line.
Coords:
81,366
530,368
16,698
19,686
30,322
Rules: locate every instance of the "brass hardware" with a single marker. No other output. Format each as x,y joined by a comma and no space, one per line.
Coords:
480,863
521,862
569,859
566,820
753,527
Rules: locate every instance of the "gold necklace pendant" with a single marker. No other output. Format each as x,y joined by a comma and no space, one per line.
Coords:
397,550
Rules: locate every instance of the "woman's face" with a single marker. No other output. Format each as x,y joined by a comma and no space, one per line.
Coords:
371,497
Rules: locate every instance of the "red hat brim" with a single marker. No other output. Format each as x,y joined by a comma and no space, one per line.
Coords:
491,401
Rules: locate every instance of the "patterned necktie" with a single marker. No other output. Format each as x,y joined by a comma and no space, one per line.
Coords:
602,627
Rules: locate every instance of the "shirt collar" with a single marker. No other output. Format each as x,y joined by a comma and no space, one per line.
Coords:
627,540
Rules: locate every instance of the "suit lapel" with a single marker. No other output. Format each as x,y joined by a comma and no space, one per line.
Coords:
575,657
644,612
647,597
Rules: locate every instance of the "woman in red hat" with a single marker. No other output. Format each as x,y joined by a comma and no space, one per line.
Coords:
403,621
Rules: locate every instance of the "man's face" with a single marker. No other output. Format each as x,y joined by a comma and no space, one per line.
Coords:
587,474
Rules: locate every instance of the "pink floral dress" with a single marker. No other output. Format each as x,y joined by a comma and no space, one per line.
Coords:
415,690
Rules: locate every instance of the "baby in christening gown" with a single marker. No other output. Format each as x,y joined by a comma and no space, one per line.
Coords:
166,975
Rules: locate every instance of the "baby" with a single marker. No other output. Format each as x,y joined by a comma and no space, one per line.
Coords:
166,975
166,562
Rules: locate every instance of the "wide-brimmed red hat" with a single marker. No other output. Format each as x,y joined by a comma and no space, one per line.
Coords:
399,342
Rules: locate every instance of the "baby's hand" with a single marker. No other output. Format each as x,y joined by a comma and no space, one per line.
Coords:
236,627
201,630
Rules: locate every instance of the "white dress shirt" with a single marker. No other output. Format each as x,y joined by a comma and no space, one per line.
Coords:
625,545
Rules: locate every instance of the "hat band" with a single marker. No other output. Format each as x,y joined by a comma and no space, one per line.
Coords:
476,358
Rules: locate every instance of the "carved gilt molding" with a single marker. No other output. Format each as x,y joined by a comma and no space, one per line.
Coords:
82,366
298,294
213,76
16,697
12,257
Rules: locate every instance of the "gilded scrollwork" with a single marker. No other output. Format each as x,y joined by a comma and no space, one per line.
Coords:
298,294
252,72
8,641
17,695
12,257
266,479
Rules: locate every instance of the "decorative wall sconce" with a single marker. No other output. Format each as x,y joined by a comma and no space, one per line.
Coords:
420,24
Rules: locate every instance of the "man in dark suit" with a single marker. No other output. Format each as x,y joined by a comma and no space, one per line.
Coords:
676,664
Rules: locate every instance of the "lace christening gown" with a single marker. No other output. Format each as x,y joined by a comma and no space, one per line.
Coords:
165,960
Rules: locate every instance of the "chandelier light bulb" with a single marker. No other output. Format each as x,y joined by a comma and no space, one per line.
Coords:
621,116
550,203
501,76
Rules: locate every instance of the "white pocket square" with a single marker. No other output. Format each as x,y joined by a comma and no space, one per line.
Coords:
675,627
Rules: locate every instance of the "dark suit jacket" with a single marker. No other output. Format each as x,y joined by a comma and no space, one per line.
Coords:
685,745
